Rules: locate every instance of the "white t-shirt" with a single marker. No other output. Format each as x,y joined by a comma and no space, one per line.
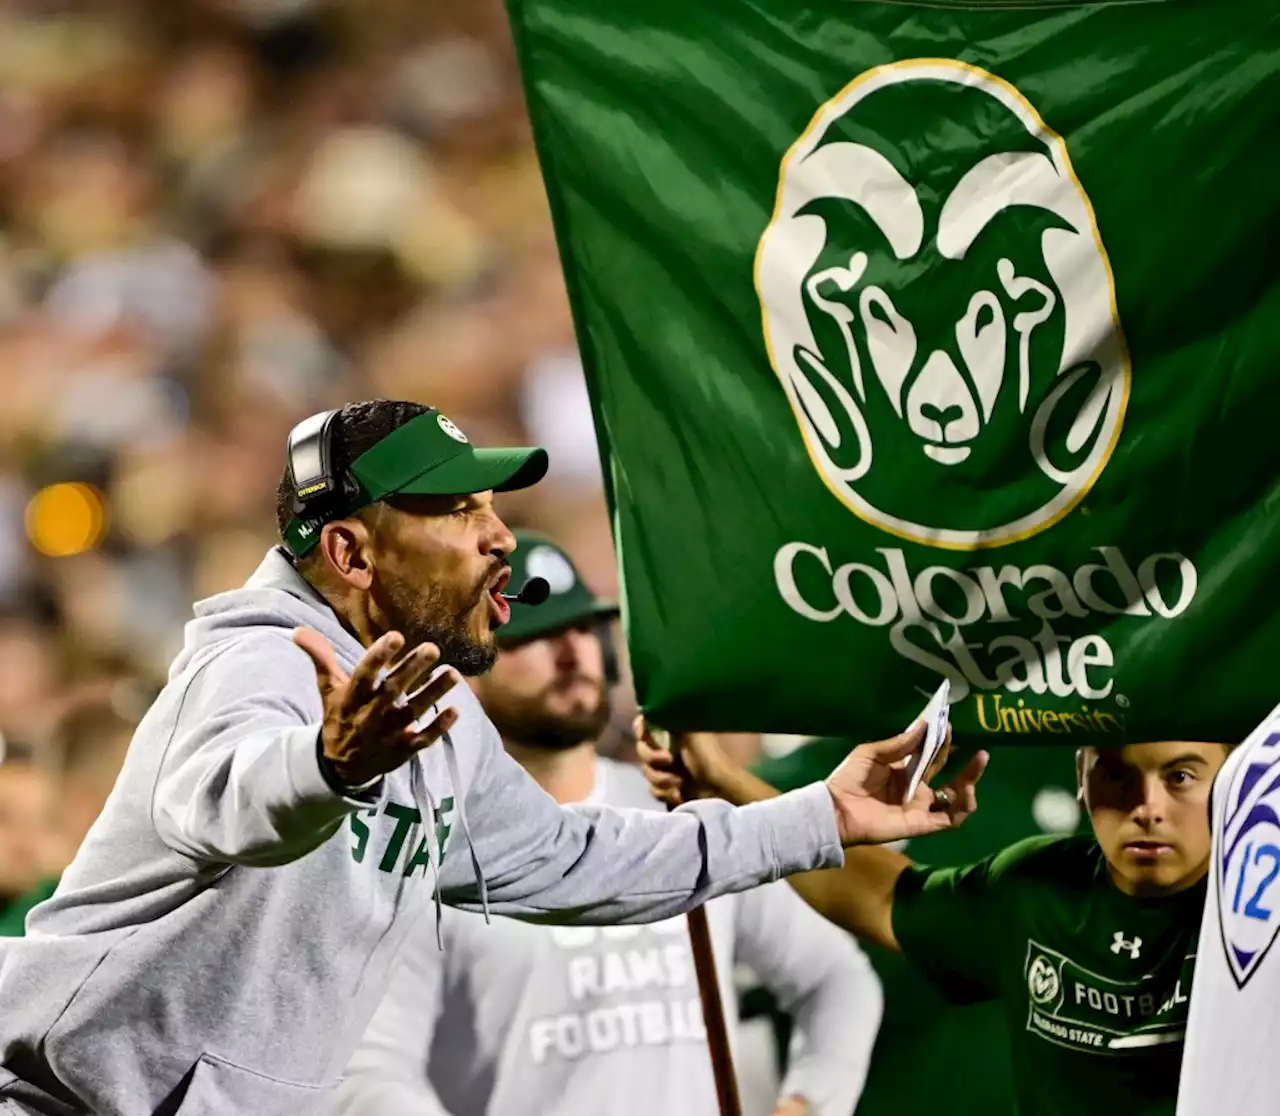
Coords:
1230,1063
520,1019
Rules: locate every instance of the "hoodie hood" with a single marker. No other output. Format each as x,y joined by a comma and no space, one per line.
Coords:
275,591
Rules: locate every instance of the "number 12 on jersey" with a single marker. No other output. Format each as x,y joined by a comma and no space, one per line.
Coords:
1263,855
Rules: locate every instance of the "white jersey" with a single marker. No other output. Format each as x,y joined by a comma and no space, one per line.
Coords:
1229,1064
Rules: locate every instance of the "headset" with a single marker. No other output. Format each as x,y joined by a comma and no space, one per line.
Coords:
317,492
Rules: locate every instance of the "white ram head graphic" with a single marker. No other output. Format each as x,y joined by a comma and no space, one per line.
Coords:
963,320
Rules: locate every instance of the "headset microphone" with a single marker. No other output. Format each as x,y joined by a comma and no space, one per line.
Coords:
533,592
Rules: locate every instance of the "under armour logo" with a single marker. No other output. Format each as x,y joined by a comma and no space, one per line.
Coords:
1119,942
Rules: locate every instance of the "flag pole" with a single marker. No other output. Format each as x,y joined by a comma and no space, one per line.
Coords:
704,967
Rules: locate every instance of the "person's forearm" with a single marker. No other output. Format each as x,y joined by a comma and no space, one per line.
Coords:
252,798
857,897
601,865
737,785
834,1035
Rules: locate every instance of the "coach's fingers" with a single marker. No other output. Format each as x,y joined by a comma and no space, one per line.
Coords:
952,804
964,788
895,748
410,672
329,673
415,705
379,657
428,734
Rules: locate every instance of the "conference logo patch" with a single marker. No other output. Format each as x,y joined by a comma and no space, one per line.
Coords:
1247,852
940,310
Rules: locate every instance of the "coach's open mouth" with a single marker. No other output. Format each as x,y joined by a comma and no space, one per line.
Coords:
499,609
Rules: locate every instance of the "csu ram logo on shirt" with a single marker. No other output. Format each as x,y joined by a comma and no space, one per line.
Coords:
940,310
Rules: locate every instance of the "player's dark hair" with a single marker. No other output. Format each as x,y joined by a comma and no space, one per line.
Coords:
357,428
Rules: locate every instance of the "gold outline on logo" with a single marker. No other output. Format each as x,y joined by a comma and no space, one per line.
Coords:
819,119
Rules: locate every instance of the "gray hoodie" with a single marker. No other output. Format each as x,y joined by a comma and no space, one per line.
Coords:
225,932
519,1020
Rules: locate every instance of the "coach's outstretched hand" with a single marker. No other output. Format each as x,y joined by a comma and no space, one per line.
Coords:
866,790
370,716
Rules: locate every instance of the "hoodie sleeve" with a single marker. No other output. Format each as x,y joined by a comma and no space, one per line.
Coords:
239,780
825,983
599,865
388,1073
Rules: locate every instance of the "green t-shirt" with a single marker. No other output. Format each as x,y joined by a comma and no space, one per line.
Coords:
1093,984
1027,791
13,918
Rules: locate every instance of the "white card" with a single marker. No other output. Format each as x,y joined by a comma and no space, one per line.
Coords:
936,716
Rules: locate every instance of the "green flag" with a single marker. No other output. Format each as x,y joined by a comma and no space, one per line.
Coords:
929,340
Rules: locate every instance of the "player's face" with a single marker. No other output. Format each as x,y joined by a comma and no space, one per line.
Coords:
440,564
549,692
1149,804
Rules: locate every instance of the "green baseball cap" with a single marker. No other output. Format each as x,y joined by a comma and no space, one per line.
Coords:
427,456
569,602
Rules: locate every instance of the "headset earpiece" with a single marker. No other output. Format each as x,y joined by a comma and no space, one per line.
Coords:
318,492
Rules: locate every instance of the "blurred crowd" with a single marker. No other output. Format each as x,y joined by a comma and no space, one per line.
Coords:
216,217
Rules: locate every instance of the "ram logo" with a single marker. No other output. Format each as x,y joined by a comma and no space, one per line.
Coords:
940,309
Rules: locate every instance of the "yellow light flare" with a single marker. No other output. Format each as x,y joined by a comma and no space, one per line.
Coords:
66,519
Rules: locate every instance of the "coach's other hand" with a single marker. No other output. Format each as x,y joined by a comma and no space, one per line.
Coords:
866,789
869,786
370,717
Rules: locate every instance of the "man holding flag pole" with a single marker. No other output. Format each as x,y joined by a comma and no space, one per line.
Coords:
1088,942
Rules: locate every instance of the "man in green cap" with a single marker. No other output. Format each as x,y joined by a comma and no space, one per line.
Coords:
575,1020
311,782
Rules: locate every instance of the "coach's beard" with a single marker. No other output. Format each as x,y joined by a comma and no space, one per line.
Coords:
430,616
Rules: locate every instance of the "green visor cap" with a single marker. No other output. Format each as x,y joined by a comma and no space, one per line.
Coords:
569,604
427,456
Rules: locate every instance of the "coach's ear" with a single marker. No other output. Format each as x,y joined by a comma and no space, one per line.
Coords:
1080,776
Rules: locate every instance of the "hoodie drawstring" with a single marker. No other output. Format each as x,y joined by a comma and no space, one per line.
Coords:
451,759
426,804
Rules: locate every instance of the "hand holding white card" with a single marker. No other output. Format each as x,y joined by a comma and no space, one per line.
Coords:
936,716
